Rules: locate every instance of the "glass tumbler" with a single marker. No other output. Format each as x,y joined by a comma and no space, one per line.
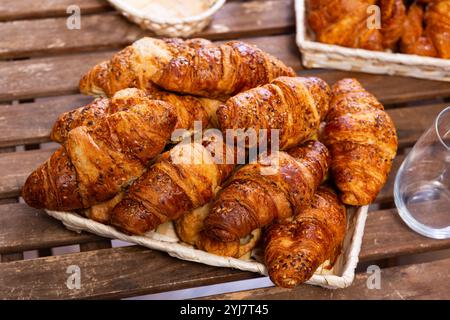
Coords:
422,184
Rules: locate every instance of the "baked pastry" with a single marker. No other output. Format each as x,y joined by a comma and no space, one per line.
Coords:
187,109
293,105
184,178
344,23
294,250
255,197
95,163
393,16
189,228
195,66
362,141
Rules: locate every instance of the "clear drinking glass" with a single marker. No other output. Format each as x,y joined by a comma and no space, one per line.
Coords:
422,185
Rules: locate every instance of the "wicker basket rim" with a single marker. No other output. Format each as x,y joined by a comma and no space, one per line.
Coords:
406,59
129,9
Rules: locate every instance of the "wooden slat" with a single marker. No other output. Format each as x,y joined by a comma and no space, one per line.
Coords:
101,244
42,77
25,228
17,127
15,168
30,123
385,236
60,75
26,9
418,281
108,273
50,36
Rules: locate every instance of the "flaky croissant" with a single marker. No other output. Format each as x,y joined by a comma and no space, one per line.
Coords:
96,162
194,66
187,109
437,19
293,105
184,178
255,197
393,16
344,23
294,250
189,228
362,141
415,40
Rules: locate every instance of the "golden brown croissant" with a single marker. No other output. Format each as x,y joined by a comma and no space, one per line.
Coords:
193,66
294,105
96,162
393,16
253,199
362,141
415,40
189,228
184,178
344,23
437,20
294,250
187,109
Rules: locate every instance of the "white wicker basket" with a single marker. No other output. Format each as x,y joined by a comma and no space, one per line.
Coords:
320,55
168,27
340,276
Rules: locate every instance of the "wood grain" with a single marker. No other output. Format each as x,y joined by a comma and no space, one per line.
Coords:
111,30
60,75
17,127
41,230
385,234
108,273
414,282
15,168
30,123
26,9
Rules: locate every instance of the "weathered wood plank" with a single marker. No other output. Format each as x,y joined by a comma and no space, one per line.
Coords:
15,168
25,228
51,36
413,282
25,9
60,75
18,127
108,273
42,77
30,123
8,257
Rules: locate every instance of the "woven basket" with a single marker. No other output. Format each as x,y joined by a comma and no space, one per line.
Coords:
321,55
169,27
165,239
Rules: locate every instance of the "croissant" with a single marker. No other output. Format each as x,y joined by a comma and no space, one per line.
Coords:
189,228
96,162
362,141
437,19
293,105
393,16
254,197
294,250
195,66
415,40
184,178
187,109
344,23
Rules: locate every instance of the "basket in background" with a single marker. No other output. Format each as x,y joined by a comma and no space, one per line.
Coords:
170,27
321,55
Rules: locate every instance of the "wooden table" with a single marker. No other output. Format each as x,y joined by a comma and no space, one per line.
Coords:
42,62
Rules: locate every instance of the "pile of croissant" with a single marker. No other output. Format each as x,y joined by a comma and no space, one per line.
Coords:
118,165
420,27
